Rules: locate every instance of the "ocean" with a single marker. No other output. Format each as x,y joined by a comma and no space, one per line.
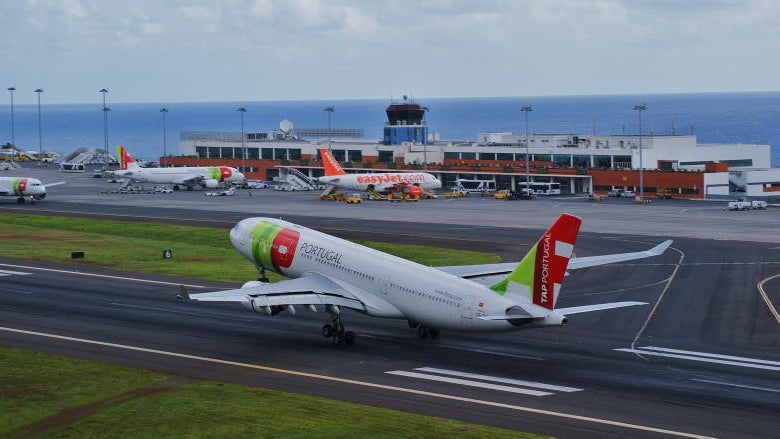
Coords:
751,118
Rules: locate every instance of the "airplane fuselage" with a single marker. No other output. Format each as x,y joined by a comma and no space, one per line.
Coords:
22,187
208,177
381,182
389,286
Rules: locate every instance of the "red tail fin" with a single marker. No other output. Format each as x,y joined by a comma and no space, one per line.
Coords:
332,166
541,271
124,157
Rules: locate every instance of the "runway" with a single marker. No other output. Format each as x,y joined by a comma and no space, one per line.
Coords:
701,359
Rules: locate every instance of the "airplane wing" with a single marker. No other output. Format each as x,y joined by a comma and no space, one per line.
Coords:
54,184
310,289
475,271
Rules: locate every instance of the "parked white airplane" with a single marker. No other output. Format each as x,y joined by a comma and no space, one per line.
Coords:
24,188
380,182
334,273
190,176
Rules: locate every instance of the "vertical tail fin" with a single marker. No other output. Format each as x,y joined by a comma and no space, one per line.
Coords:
330,164
540,273
126,161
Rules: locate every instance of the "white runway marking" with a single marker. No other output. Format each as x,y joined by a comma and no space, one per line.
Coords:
366,384
78,273
743,386
470,383
12,273
516,382
754,363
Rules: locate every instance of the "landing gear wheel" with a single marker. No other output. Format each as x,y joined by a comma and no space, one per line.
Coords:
263,278
349,338
413,324
327,330
422,331
434,332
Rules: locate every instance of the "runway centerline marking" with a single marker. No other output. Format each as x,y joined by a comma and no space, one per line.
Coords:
362,383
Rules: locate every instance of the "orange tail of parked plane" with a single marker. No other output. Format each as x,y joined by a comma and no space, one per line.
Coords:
125,159
330,164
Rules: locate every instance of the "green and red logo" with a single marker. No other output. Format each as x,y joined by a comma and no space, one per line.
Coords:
221,174
20,185
274,245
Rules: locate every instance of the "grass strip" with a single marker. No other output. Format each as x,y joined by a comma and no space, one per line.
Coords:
37,386
198,252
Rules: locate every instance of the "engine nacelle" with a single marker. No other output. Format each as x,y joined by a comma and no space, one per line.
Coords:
211,183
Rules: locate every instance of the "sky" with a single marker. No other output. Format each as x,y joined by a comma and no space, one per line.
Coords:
280,50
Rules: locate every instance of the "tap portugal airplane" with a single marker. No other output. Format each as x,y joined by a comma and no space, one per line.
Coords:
336,177
190,176
331,273
24,188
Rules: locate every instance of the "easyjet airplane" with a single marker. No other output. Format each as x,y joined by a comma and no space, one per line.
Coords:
331,273
380,182
24,188
190,176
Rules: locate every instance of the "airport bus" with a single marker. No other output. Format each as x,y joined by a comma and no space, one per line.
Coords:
462,184
543,187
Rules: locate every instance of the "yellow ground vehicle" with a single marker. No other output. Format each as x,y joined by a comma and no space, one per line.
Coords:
353,199
663,194
502,194
456,194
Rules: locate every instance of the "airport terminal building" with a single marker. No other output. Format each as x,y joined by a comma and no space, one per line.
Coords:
580,163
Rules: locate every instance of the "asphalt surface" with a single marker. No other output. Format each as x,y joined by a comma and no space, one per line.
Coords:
701,359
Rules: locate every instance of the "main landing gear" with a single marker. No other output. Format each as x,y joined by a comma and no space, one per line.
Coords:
424,331
335,331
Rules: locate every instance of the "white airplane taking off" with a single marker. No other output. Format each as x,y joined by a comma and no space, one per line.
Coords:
190,176
24,188
334,273
379,182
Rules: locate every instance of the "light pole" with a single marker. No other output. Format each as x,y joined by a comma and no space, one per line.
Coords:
330,110
40,132
164,111
242,110
13,137
640,108
105,126
527,109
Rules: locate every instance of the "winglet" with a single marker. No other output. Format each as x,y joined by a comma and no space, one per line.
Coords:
540,274
330,163
183,293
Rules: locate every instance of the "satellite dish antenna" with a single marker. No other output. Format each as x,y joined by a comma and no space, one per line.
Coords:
285,126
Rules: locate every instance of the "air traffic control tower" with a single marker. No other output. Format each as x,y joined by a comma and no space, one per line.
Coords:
406,123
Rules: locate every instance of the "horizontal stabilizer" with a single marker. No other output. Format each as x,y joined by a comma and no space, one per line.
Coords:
597,307
592,261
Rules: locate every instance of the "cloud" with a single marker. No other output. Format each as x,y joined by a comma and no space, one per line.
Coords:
308,49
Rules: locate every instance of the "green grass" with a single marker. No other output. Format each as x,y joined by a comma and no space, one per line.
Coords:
36,386
198,252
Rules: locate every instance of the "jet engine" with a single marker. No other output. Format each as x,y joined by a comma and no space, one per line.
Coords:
211,183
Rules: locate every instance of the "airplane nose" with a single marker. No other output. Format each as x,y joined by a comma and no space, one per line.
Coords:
241,238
